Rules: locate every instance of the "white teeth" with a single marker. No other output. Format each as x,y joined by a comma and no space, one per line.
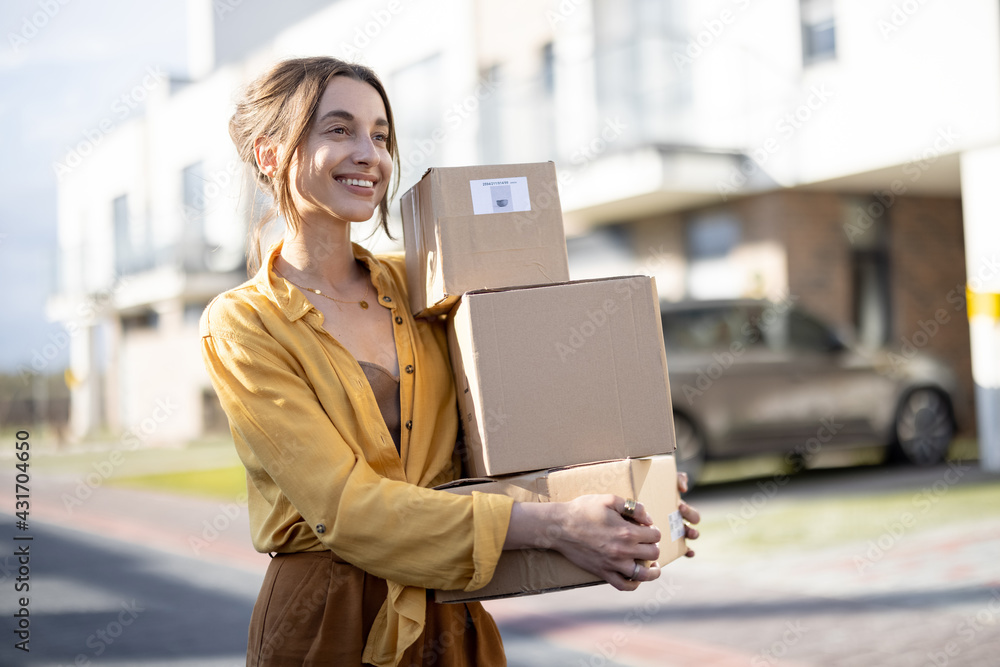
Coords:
356,181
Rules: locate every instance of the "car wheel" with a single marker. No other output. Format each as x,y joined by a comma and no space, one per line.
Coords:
924,427
690,452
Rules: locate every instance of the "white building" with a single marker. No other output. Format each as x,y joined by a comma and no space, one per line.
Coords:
841,150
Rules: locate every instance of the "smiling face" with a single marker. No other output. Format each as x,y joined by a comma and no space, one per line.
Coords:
341,170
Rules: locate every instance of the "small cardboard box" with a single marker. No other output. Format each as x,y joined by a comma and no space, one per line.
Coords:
557,375
652,481
467,228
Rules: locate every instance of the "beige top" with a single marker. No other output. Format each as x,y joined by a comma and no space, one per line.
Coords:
385,386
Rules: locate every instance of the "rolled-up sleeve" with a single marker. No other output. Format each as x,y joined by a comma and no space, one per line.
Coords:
297,454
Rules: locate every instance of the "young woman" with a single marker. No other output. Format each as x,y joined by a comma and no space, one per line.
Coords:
342,408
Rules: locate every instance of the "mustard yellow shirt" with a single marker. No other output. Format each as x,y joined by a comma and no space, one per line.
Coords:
322,469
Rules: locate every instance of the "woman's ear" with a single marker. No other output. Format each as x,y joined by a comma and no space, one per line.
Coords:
266,154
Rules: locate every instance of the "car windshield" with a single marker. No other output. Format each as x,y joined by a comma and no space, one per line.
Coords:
703,329
709,328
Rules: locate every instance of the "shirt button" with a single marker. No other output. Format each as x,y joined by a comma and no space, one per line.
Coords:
320,528
387,299
399,320
409,425
409,368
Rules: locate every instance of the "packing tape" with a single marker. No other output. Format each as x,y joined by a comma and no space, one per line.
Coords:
983,304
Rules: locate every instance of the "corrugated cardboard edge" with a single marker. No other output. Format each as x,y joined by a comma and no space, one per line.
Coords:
465,370
663,360
660,492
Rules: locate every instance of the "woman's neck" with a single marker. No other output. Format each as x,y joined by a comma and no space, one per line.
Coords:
320,257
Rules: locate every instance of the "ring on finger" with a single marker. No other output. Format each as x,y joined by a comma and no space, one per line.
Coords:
629,511
635,572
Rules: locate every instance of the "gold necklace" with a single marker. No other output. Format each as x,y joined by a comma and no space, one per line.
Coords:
362,302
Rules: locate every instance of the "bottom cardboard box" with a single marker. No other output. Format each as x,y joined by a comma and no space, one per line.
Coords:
650,480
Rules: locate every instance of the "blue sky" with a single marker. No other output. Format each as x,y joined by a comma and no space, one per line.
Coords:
63,63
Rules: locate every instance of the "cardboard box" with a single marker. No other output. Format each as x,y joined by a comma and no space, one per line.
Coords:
467,228
651,481
558,375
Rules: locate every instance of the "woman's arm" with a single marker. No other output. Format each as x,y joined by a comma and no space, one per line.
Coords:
298,460
591,532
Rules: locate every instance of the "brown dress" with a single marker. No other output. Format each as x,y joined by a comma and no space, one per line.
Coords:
315,609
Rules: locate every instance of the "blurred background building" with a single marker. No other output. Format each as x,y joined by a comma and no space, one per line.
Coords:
843,153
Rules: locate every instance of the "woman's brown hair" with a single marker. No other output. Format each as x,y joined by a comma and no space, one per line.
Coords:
280,106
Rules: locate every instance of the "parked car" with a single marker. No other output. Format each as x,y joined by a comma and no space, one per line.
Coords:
752,377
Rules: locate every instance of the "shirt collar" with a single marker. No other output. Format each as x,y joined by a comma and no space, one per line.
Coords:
290,299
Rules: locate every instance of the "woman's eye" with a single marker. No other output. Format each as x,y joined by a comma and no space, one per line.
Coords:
380,137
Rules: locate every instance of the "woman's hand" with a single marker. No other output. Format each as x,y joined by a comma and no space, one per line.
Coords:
591,532
688,513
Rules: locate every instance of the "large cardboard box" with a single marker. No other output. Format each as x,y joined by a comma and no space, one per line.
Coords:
651,481
557,375
467,228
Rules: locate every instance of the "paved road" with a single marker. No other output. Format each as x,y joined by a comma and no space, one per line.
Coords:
95,600
133,578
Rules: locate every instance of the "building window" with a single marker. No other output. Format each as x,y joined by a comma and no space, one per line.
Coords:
549,69
147,320
213,417
192,241
712,273
124,252
193,191
491,145
870,284
819,34
637,77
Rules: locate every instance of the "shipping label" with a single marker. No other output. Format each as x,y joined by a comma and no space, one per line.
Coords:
676,526
500,195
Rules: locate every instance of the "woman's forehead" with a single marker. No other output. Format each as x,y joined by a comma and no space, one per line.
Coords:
353,97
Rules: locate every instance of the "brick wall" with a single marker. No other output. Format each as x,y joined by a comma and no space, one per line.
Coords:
817,249
927,274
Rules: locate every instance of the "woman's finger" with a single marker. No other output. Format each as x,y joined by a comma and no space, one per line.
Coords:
621,583
632,510
688,513
682,482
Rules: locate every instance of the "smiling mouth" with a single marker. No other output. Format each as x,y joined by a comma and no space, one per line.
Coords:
356,181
